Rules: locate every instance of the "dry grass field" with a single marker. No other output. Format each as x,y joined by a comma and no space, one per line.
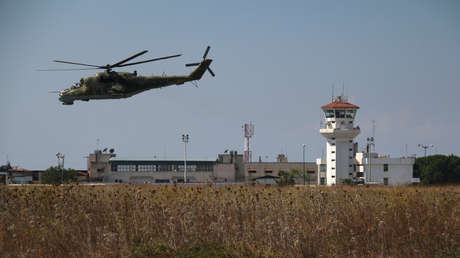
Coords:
231,221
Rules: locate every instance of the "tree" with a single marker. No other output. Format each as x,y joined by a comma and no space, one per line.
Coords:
53,175
438,169
288,178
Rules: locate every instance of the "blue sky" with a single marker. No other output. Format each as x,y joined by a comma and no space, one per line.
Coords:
275,64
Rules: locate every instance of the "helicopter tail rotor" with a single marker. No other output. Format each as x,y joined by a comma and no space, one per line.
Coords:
205,61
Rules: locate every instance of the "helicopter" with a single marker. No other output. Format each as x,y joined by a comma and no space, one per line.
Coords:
116,85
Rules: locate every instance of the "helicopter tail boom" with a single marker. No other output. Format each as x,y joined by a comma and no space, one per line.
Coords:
200,70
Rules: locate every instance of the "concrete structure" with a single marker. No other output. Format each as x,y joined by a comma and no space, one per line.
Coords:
260,170
321,167
379,169
98,165
339,132
382,169
227,168
105,167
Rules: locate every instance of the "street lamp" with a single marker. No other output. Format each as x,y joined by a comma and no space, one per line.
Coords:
185,139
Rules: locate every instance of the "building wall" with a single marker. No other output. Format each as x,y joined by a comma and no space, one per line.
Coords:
224,173
399,171
159,171
98,165
259,169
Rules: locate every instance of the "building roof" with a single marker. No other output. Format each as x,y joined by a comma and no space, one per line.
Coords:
340,105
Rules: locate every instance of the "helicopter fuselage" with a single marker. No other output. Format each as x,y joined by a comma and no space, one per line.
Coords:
117,85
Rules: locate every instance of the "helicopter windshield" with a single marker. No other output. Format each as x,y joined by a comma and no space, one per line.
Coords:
76,85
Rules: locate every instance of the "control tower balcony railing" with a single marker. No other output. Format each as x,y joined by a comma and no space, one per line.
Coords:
329,132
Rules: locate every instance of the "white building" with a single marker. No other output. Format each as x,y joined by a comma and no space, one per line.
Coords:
381,169
344,162
339,131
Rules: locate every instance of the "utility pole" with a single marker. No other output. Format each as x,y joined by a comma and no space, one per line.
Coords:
60,158
185,139
425,147
303,147
370,142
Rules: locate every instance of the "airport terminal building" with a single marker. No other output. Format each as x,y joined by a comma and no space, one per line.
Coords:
227,168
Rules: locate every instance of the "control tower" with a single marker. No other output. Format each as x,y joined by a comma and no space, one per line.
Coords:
339,132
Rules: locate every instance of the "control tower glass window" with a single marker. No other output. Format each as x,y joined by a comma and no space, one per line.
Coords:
340,113
329,113
350,114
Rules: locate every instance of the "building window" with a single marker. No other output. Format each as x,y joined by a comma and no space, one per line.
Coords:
329,113
282,173
385,180
146,168
126,168
268,171
332,151
385,167
333,144
340,113
332,168
252,171
322,167
350,149
161,180
190,168
350,114
332,159
333,138
350,174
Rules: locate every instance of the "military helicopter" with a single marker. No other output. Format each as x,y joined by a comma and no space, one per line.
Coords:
117,85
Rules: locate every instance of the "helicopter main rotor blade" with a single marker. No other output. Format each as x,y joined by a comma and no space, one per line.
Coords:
129,58
206,52
66,62
150,60
211,72
192,64
68,69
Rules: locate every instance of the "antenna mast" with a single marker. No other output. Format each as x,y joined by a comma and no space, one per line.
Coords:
248,133
373,132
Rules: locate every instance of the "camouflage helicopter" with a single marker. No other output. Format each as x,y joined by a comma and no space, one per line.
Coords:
117,85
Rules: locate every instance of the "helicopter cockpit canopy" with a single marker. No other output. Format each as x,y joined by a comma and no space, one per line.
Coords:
77,84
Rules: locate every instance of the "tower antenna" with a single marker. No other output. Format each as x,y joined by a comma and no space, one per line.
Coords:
332,100
373,132
248,133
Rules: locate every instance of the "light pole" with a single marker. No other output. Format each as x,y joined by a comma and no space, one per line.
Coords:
60,158
370,142
303,148
185,139
425,147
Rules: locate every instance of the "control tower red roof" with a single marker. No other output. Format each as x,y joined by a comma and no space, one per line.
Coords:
340,105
